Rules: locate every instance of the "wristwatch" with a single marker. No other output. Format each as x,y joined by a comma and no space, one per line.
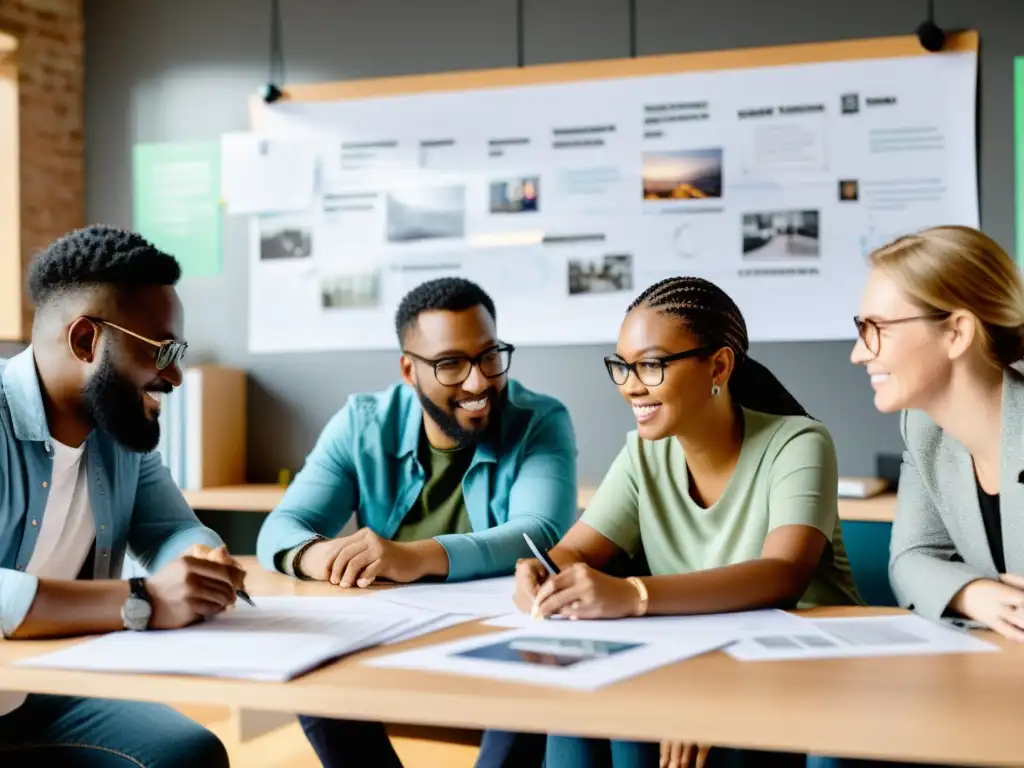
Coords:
138,608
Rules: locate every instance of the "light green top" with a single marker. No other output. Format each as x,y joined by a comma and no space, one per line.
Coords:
440,508
786,474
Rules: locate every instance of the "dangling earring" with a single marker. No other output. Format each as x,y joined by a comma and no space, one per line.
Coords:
715,389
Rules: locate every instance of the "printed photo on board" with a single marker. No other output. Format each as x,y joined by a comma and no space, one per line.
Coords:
610,273
683,174
781,235
516,195
848,190
283,237
426,212
354,290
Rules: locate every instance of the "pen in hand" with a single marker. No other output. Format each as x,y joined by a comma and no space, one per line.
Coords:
240,593
220,555
547,562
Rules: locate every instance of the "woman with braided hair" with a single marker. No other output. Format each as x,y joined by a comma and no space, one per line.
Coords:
727,485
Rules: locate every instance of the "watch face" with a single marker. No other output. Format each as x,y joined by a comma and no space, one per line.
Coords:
136,613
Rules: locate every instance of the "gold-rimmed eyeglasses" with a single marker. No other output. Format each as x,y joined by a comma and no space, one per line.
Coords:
168,352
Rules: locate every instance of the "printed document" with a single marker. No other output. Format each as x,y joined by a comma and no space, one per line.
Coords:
279,639
649,628
481,598
209,650
902,635
585,662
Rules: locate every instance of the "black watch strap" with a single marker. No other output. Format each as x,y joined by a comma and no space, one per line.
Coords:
138,589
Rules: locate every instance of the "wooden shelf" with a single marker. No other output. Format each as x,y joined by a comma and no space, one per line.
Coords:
263,498
236,498
877,509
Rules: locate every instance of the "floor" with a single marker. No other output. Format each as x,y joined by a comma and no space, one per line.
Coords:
287,746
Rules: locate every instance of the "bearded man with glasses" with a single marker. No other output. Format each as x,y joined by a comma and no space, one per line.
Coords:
81,485
445,472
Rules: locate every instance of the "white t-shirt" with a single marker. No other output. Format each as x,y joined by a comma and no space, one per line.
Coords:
67,534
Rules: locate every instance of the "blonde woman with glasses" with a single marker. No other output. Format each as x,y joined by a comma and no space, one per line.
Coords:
941,325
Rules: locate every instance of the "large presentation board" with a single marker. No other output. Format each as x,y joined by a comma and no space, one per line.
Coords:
564,190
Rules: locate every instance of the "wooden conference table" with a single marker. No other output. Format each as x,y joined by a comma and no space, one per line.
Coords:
954,709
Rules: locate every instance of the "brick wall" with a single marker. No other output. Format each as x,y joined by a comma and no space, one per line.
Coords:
50,35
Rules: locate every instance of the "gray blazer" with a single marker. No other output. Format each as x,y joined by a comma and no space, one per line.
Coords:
938,538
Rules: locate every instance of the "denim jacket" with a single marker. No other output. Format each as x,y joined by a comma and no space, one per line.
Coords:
365,461
135,504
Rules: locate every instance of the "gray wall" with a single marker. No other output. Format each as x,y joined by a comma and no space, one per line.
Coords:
182,70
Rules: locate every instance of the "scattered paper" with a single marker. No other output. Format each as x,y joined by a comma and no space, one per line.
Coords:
650,628
334,615
264,173
273,656
534,656
903,635
481,598
279,639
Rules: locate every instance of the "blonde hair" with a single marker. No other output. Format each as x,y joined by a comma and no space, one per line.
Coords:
943,269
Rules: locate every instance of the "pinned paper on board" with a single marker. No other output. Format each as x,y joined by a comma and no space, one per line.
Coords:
264,174
175,191
564,198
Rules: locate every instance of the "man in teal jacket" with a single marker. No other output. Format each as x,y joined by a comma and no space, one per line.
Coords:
445,473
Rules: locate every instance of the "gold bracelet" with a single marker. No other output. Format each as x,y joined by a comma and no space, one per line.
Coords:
642,589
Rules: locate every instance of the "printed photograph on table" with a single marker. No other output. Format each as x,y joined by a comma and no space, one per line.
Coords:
548,651
849,190
781,235
353,290
426,212
284,237
520,195
610,273
684,174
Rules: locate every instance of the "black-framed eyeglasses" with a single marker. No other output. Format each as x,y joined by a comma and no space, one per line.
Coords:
168,352
452,370
650,371
870,329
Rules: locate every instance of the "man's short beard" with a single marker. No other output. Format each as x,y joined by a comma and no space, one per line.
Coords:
115,405
449,424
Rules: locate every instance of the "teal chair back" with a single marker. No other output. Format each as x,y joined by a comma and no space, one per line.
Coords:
867,546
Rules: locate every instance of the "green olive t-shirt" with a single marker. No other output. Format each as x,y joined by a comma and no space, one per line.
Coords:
440,508
786,474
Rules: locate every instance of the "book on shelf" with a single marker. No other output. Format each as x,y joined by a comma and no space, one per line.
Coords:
202,428
861,487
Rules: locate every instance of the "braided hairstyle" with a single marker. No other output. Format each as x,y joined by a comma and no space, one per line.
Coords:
716,321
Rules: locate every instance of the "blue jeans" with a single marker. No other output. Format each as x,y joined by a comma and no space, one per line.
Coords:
570,752
49,731
347,743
